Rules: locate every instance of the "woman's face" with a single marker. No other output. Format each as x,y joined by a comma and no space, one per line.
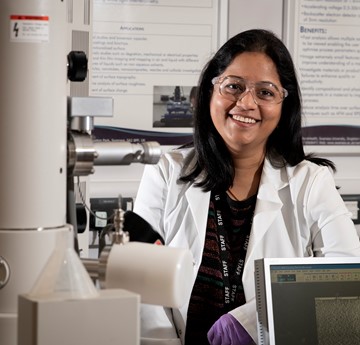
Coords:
243,124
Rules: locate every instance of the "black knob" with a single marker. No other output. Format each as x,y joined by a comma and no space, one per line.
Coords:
77,66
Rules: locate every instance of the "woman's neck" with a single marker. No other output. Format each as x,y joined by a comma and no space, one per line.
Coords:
247,177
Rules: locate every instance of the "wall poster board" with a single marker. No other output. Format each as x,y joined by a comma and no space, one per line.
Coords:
147,55
324,39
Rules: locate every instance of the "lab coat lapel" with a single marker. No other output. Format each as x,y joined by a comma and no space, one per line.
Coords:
199,206
268,204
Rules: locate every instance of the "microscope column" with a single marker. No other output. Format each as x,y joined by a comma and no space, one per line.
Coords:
33,145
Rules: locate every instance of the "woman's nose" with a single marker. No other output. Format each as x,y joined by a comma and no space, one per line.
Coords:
247,99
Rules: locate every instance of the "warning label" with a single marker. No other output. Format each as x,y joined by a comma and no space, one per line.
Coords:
25,28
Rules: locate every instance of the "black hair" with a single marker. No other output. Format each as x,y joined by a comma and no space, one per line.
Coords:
284,145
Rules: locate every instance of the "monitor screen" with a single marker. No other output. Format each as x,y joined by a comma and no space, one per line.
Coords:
308,301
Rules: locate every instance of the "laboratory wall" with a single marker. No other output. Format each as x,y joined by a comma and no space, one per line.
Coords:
242,15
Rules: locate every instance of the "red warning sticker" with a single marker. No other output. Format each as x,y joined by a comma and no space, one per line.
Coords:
18,17
29,28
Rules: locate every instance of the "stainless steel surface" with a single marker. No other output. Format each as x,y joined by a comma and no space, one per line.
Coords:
124,153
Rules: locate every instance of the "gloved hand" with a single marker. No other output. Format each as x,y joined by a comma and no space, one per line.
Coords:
140,230
228,331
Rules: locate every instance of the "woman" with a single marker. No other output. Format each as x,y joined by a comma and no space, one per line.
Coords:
243,190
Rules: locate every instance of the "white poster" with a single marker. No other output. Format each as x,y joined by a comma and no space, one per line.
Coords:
324,38
148,55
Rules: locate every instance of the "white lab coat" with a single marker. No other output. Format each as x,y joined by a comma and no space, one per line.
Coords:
298,213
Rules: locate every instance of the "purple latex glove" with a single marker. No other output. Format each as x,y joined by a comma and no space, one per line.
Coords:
228,331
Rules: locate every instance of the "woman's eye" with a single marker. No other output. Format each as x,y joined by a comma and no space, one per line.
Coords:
234,88
265,93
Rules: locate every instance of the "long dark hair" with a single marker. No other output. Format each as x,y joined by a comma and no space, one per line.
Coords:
284,145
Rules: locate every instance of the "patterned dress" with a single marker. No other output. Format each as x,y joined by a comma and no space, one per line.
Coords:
218,287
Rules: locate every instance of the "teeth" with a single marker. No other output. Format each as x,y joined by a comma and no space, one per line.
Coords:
243,119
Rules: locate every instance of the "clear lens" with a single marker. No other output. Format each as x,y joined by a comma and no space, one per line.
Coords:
234,88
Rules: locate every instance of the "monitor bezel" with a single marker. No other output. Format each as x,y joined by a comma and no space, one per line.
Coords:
266,330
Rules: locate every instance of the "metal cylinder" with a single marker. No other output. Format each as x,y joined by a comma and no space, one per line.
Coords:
92,267
125,153
81,154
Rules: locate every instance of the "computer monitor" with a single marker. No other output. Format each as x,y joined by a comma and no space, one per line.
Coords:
312,301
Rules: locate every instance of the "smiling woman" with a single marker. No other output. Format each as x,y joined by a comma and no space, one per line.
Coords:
245,112
242,190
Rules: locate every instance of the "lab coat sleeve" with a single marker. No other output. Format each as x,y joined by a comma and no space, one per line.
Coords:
246,315
151,197
333,231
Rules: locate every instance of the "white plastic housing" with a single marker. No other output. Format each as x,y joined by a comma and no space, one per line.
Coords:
160,275
33,69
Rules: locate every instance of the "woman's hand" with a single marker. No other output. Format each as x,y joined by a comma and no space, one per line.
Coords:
228,331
